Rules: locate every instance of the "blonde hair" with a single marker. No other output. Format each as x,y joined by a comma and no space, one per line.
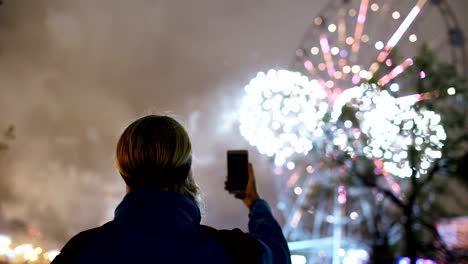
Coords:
155,152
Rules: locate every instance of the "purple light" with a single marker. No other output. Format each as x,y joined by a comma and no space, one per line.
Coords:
343,53
404,260
388,62
422,74
341,199
308,65
356,79
324,45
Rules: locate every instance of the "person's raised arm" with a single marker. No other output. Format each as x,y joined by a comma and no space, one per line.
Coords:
262,224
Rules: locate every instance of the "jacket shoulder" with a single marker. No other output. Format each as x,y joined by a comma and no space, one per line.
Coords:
77,243
241,246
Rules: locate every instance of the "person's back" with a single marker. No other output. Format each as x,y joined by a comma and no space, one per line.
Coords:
158,220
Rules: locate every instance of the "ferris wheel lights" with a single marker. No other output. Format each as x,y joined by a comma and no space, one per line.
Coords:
300,53
308,65
349,40
314,50
290,165
332,28
388,62
348,124
379,45
353,215
356,79
347,69
318,21
394,87
343,53
338,75
352,12
451,91
322,66
396,15
413,38
298,190
365,38
335,50
422,74
375,7
363,74
355,68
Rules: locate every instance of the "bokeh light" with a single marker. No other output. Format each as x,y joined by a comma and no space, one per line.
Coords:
282,112
392,126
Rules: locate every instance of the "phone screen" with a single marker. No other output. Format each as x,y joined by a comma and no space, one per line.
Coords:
238,176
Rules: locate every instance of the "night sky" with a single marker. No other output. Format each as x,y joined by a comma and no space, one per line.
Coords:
74,74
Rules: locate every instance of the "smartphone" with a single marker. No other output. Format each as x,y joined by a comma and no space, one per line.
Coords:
238,174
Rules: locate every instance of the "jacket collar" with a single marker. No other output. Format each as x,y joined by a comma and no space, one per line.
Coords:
161,205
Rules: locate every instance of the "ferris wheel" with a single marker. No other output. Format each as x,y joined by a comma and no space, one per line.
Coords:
349,39
347,44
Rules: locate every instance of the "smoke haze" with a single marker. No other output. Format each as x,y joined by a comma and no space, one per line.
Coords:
73,74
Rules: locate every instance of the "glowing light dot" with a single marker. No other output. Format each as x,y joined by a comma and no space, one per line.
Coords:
332,28
322,66
330,219
335,50
353,215
4,241
349,40
298,259
355,68
365,38
396,15
379,45
300,52
356,79
352,12
348,124
314,50
308,65
298,190
451,91
374,7
343,53
389,62
422,74
347,69
394,87
318,21
291,165
329,84
363,74
310,169
413,38
38,250
338,75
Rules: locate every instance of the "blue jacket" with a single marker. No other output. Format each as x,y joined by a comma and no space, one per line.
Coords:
164,227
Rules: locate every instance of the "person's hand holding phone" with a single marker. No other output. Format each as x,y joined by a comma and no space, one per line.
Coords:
240,178
251,193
